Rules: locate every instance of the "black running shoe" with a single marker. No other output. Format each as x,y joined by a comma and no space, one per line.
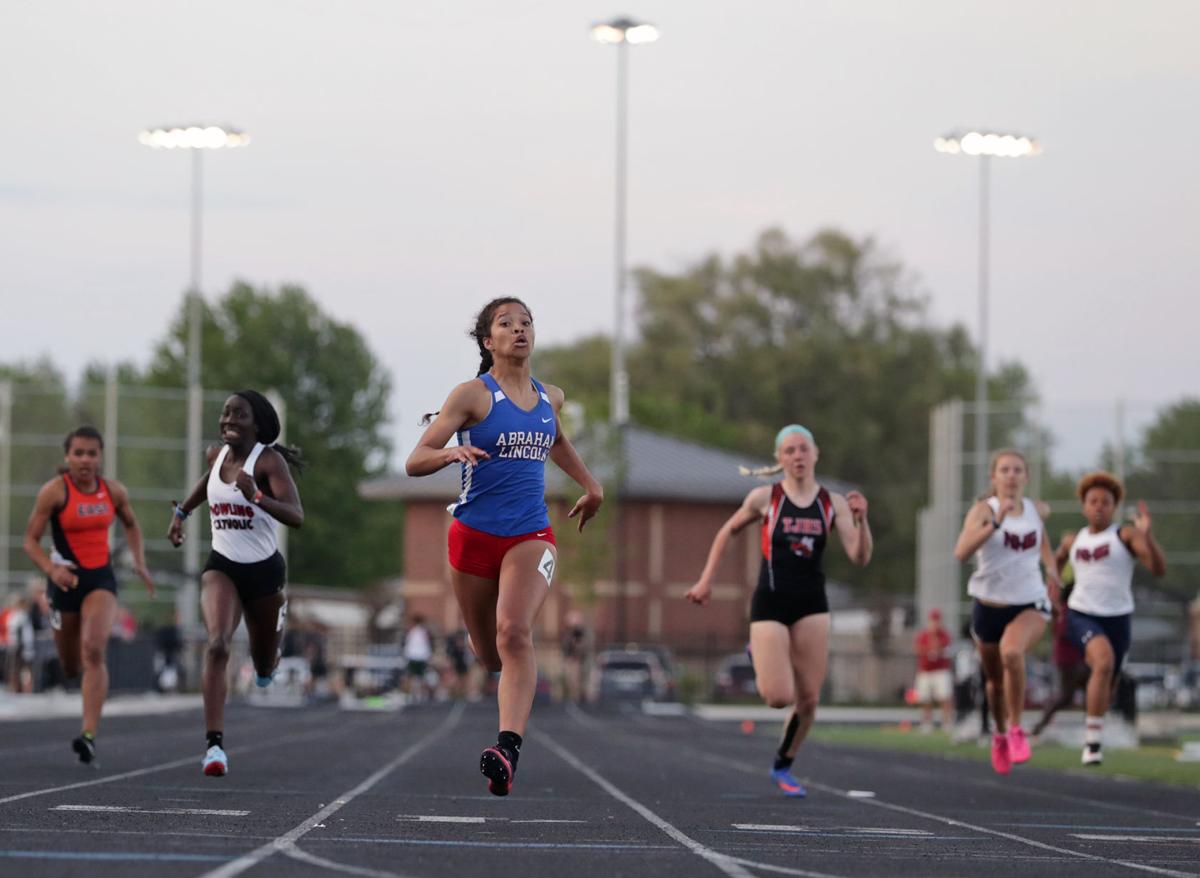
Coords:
498,767
85,748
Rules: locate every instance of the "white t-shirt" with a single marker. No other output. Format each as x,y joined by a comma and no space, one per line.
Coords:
1006,565
417,646
1103,568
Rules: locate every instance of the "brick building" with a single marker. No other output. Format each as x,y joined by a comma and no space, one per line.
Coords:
676,496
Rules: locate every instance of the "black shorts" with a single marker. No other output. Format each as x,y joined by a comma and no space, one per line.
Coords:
260,579
787,606
988,623
71,600
1118,630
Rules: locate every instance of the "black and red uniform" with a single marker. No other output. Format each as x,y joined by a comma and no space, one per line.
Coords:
80,532
791,583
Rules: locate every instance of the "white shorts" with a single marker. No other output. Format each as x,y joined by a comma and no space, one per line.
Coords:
934,686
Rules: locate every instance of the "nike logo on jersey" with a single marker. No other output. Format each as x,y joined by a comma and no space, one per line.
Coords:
542,534
547,420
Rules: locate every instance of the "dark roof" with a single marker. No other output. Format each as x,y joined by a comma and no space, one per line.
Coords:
659,467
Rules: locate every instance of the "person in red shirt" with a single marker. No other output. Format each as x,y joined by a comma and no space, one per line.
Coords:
933,681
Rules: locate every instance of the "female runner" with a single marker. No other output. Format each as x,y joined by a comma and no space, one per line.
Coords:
249,488
789,612
1100,608
502,549
1012,602
80,506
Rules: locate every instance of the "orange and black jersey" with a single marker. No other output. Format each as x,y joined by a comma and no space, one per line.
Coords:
793,541
80,527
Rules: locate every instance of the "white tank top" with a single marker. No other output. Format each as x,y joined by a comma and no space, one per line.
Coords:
1006,565
1103,568
241,531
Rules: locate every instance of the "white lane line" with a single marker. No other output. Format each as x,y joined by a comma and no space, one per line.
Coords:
1150,838
1103,804
757,772
123,809
772,827
440,818
287,841
547,821
949,821
305,857
723,862
175,763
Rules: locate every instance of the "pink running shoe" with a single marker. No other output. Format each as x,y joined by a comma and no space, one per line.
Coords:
1018,745
1001,761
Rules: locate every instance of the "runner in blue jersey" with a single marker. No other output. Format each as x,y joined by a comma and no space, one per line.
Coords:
502,550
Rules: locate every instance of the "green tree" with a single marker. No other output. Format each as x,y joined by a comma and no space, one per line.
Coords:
1166,472
831,333
41,417
336,395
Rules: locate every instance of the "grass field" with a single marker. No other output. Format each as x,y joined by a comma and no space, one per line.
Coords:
1156,763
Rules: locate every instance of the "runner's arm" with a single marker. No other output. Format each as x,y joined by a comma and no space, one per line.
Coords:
431,454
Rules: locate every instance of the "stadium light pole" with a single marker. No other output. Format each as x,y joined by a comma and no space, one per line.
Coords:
621,32
985,145
196,139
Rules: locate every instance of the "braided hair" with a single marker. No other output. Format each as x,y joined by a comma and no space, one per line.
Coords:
481,330
266,427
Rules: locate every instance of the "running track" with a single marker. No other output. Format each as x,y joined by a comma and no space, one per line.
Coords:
319,792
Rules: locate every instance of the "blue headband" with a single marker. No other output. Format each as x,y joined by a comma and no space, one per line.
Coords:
789,430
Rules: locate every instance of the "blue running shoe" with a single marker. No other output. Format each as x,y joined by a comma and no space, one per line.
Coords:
786,781
263,682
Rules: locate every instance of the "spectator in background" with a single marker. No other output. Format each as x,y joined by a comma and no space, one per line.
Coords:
460,657
576,649
168,644
934,681
19,658
418,650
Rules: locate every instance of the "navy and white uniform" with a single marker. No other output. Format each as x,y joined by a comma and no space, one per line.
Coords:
791,581
1102,601
1007,578
245,546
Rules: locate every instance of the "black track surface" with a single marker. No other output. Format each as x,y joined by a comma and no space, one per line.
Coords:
597,795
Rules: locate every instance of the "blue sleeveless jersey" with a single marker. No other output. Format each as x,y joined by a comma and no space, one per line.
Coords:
505,495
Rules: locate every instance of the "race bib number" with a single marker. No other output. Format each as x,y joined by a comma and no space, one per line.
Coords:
282,616
56,620
546,566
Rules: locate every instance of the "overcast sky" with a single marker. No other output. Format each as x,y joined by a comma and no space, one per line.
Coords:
409,161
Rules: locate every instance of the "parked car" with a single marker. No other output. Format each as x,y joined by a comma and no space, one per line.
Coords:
734,678
629,674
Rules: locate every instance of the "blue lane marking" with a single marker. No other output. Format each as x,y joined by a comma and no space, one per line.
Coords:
503,844
1127,828
113,856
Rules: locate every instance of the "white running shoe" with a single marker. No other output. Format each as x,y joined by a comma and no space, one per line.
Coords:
1092,757
215,762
